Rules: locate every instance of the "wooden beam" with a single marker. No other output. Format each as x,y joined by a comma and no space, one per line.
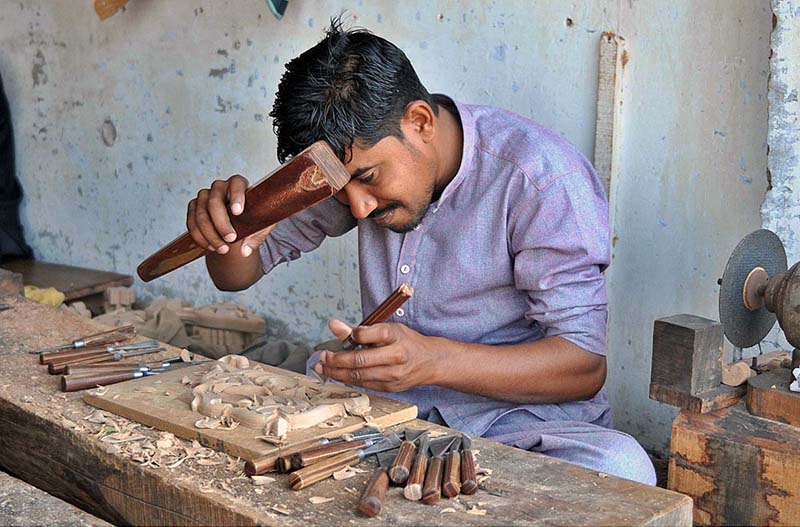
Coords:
613,58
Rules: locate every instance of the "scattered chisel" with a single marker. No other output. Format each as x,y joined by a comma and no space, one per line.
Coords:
269,462
469,480
83,369
52,356
59,368
401,466
432,487
111,336
451,481
304,477
71,383
315,455
413,489
371,501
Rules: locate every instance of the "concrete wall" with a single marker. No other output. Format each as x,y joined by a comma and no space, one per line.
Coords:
119,123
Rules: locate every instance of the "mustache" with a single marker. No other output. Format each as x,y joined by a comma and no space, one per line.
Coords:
377,212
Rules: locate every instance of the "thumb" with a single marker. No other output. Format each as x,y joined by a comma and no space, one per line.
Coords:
339,329
252,242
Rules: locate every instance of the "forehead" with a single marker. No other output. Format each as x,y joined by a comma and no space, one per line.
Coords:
364,157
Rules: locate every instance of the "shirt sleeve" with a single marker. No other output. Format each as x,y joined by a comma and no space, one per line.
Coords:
305,231
560,241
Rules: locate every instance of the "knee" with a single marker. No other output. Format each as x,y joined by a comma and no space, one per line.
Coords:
627,459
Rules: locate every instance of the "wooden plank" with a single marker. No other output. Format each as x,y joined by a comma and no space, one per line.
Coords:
24,505
612,61
768,395
144,400
71,460
74,282
721,397
739,469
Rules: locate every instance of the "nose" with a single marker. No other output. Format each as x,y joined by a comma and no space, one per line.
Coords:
360,201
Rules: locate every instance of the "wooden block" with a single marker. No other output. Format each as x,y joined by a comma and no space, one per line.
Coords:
687,351
739,469
716,399
163,402
10,283
768,396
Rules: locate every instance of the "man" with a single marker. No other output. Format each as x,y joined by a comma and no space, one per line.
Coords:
498,224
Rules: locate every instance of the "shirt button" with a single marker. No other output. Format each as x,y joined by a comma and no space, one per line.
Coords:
400,312
404,269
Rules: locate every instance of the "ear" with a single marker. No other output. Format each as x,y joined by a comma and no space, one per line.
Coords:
419,119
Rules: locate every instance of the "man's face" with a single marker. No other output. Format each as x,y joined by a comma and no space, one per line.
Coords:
393,182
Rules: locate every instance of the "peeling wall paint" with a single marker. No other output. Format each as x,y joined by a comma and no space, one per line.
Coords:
119,123
781,209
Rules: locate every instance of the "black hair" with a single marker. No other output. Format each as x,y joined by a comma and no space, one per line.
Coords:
352,86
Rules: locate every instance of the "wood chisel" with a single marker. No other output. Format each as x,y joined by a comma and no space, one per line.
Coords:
451,480
315,455
55,356
304,477
371,501
413,488
469,480
71,383
401,466
111,336
432,487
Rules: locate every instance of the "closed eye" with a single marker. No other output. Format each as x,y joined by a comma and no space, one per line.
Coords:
367,179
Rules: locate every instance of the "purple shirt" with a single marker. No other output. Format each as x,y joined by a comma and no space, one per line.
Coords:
511,252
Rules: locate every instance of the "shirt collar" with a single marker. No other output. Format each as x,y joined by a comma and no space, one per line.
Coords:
468,146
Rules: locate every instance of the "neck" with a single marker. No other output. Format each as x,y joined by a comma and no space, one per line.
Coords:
449,146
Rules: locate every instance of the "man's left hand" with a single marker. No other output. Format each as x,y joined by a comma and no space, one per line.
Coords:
395,358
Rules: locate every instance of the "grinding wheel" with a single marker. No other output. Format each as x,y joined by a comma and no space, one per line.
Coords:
745,328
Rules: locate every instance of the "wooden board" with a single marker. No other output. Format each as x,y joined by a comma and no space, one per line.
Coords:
768,395
163,402
47,441
739,469
74,282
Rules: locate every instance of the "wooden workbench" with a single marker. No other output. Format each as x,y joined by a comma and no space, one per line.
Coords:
75,282
56,442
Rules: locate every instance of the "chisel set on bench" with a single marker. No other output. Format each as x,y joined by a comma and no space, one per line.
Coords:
427,469
96,360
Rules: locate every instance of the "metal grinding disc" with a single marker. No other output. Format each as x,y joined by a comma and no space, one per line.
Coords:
745,328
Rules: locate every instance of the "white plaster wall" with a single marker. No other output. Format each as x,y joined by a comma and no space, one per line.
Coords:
188,84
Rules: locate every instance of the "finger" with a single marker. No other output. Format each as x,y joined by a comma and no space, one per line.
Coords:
339,329
383,378
236,187
216,243
252,242
191,225
362,358
376,334
218,210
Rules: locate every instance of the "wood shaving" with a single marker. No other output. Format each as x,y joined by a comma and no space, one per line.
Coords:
101,391
258,491
208,462
207,487
186,356
345,473
186,381
602,475
481,479
483,471
281,509
476,511
261,480
97,417
67,423
318,500
447,510
207,423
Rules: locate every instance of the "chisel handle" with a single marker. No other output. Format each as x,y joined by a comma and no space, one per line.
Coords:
268,463
65,358
432,488
451,481
416,478
101,367
55,369
401,466
469,480
372,499
304,477
82,382
315,455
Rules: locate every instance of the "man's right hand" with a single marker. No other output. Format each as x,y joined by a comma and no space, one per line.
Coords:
209,223
208,220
